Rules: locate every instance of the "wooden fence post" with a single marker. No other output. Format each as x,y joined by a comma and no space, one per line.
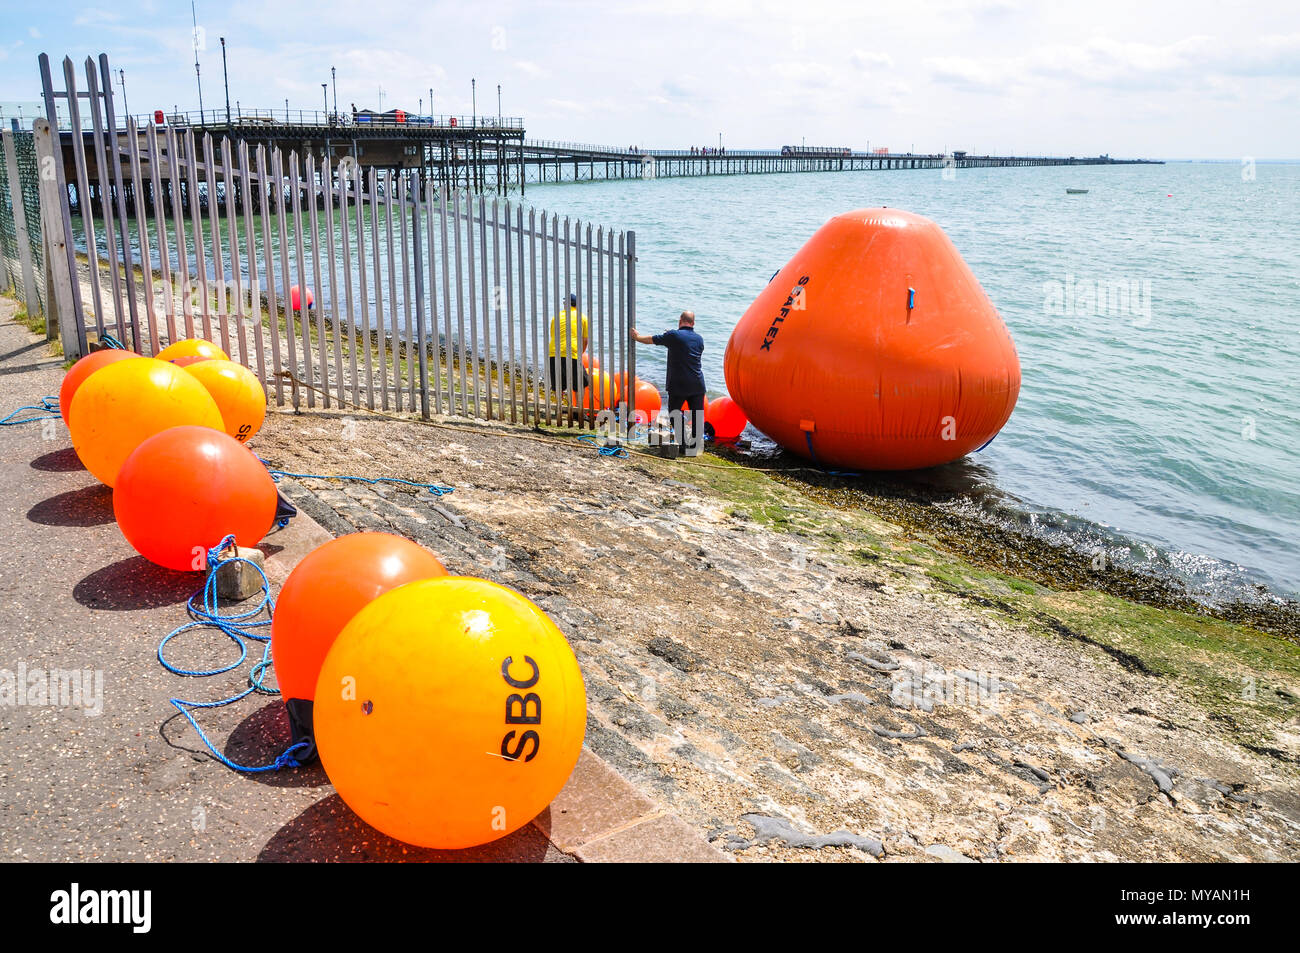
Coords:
72,329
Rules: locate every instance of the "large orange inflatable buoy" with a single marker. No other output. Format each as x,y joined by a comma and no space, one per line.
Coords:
875,348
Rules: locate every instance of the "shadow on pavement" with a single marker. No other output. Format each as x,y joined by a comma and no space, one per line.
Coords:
59,461
89,506
260,739
135,583
330,831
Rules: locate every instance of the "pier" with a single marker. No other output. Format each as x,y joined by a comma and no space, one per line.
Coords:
493,154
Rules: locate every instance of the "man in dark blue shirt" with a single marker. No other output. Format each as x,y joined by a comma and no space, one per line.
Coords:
685,374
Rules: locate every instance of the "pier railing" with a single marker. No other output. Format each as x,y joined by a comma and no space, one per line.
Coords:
338,285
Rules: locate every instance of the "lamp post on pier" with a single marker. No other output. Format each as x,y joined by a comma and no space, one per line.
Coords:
334,78
225,78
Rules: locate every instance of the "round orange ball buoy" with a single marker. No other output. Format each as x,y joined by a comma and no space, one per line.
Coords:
606,388
240,396
185,489
646,401
875,348
295,298
78,373
326,589
192,347
450,712
726,418
120,406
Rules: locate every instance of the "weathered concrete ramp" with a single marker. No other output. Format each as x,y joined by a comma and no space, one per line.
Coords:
119,775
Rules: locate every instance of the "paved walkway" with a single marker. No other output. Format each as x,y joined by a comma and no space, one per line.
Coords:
132,782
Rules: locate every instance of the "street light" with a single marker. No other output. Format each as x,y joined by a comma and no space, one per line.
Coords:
121,78
225,77
498,104
473,102
325,92
198,78
334,78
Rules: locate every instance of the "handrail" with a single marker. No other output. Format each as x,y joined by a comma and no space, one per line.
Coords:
244,118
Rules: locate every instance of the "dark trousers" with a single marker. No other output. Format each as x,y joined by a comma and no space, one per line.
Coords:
565,374
694,415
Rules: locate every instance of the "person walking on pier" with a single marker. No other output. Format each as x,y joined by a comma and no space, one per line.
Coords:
568,342
685,377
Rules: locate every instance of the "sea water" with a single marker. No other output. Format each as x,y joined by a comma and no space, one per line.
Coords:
1157,319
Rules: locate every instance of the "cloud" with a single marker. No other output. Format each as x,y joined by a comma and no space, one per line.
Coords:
95,17
532,69
1192,62
865,60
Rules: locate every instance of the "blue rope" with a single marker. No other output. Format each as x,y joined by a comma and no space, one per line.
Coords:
813,453
611,451
111,342
47,409
236,626
436,489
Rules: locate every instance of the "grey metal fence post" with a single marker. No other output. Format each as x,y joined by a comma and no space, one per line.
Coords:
420,336
631,314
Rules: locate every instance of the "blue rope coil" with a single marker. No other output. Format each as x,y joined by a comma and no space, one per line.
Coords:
236,626
610,451
111,342
47,409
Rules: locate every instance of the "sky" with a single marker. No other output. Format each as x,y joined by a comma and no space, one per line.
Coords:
1153,79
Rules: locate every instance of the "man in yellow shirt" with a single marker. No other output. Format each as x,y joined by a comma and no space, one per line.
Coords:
568,341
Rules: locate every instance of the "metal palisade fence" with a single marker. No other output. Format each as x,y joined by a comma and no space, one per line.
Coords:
339,285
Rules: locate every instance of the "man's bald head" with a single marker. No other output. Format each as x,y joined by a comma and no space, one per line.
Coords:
687,320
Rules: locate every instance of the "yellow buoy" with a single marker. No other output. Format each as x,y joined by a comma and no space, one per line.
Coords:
240,396
192,347
120,406
449,712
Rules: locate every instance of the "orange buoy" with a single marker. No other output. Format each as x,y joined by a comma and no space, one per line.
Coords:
589,362
646,402
183,490
120,406
83,369
190,359
240,396
606,388
326,589
192,347
450,712
726,418
876,348
295,298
